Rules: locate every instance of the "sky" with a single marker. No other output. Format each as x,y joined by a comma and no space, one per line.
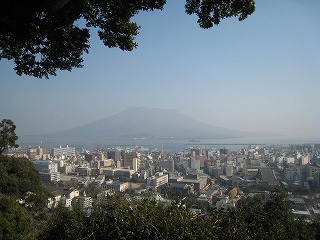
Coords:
260,74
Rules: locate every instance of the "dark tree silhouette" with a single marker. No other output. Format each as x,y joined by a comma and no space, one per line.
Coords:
43,36
8,137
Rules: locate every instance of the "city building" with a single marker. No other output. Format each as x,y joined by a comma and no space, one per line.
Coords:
85,202
304,160
166,164
48,170
181,189
61,196
61,152
229,170
36,152
199,182
115,186
132,160
195,164
266,176
84,171
47,177
45,166
114,154
159,179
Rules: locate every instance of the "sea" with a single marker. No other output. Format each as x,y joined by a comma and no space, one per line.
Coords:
166,144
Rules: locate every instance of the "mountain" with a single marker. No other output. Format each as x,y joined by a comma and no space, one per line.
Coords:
140,122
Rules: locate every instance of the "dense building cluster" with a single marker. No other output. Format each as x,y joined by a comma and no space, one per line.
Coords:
214,177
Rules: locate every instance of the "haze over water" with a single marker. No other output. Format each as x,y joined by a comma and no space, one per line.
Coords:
170,145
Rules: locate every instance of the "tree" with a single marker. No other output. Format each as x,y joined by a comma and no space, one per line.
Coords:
65,224
15,221
137,218
123,218
20,180
8,137
43,36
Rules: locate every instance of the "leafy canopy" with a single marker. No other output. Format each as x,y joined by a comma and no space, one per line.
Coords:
42,37
15,221
20,180
135,218
22,199
8,136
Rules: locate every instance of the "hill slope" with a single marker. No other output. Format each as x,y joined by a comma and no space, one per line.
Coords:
139,122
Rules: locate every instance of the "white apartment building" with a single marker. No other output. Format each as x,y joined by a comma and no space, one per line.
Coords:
85,202
158,180
62,196
290,160
63,151
305,160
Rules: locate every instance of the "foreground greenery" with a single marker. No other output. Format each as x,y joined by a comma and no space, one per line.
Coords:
20,180
144,219
137,218
8,136
22,199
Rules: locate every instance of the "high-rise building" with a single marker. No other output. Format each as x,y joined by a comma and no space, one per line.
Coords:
195,164
64,151
167,164
129,160
135,164
304,160
48,170
229,170
89,157
114,154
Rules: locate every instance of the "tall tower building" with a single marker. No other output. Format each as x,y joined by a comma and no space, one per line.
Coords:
132,160
114,154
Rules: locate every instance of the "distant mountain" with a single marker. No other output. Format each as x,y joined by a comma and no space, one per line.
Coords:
140,122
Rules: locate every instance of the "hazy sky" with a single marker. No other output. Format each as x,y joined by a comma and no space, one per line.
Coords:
261,74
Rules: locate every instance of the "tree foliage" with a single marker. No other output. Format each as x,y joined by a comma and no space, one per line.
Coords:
126,219
20,180
22,199
42,37
133,218
211,13
65,224
15,221
8,136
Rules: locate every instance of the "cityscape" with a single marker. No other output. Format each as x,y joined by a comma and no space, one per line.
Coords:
218,177
159,120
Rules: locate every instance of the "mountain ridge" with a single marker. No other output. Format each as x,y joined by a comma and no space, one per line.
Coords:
154,123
